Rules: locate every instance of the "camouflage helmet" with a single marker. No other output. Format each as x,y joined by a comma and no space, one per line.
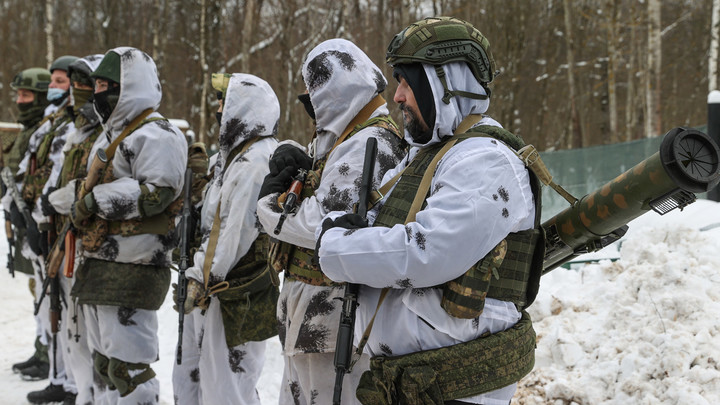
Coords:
440,40
220,83
62,63
33,79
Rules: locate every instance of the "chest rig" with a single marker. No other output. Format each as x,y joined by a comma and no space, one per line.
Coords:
40,165
509,272
299,262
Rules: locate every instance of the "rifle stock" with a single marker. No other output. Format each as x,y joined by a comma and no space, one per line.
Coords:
343,347
185,237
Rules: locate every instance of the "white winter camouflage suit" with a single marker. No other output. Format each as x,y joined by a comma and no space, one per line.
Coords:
210,372
154,155
480,193
341,80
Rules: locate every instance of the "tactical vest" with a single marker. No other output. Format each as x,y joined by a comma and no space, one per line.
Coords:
20,146
299,266
95,233
35,181
509,272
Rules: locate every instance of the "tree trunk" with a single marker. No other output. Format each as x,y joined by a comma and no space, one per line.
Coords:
611,68
653,122
247,35
49,26
714,43
204,74
574,138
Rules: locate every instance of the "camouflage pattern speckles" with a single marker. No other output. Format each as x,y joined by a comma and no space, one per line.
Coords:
408,232
125,315
282,320
349,232
505,213
247,83
127,56
295,392
320,68
404,283
235,358
164,125
337,200
119,208
273,205
195,375
312,338
437,188
503,194
420,240
420,292
126,152
235,130
109,250
160,258
385,349
379,80
344,169
201,335
313,396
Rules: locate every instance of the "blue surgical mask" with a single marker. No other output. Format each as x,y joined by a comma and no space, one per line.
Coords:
55,94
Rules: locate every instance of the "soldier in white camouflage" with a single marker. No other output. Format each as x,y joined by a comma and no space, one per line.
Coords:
454,253
125,227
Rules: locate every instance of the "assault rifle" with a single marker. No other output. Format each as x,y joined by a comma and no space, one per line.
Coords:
8,225
344,344
688,162
186,234
291,199
9,180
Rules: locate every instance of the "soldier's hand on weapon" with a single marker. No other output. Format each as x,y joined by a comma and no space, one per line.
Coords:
45,206
82,210
289,156
195,291
277,183
347,221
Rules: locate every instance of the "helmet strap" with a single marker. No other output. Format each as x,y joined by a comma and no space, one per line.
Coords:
447,94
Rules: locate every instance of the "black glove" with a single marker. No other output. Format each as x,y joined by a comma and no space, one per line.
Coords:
32,235
347,221
289,156
45,206
16,217
277,183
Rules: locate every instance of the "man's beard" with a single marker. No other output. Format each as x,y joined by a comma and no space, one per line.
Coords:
418,130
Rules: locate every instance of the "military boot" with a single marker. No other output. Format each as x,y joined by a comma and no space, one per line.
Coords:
40,356
36,372
51,394
69,398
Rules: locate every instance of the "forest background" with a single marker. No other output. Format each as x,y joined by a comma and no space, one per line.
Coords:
572,73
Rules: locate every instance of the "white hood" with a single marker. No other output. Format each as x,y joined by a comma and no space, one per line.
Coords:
341,80
139,89
250,109
449,116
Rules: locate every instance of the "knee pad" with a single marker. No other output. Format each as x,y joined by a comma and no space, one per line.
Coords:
100,364
119,373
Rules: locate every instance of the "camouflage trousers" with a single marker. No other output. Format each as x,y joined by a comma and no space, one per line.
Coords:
127,334
77,355
309,378
212,373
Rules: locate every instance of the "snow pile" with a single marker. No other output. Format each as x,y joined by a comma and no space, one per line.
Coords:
641,330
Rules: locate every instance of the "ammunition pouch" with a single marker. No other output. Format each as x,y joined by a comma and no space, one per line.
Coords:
100,364
118,372
301,268
463,370
248,298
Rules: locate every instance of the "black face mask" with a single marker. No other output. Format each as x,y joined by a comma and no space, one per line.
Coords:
106,101
305,100
218,117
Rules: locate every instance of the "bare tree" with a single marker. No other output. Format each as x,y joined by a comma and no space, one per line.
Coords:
714,43
653,123
574,137
612,11
49,26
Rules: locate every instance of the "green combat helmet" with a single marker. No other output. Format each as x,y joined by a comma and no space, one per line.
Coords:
33,79
62,63
440,40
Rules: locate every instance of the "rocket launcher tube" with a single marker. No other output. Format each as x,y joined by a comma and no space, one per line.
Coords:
687,163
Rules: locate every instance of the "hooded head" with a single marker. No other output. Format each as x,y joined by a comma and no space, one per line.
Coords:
457,66
341,80
139,87
250,109
81,91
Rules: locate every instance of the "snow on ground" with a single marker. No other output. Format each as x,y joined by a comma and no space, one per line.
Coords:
640,330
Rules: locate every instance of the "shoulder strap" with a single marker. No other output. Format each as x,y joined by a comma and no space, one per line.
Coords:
361,117
110,151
